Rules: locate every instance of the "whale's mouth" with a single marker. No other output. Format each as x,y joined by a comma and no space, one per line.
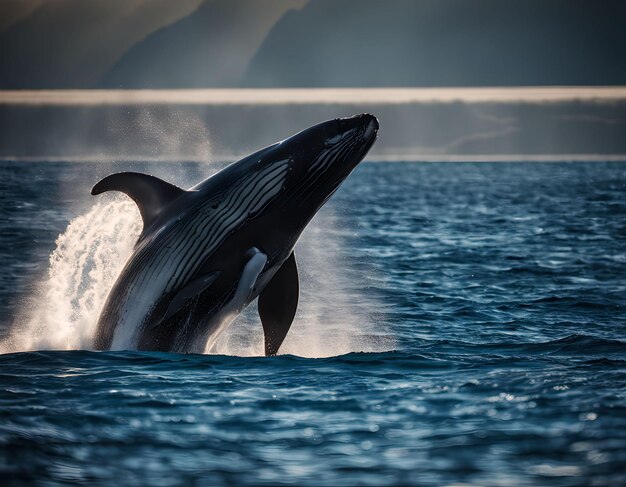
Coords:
371,131
354,137
330,151
364,121
358,136
368,134
366,125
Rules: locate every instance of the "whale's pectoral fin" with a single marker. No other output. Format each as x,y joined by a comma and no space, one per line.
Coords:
150,193
278,303
192,289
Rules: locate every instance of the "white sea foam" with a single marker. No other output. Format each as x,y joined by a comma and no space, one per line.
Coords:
63,309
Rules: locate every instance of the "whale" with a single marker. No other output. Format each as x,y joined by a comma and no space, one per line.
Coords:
205,253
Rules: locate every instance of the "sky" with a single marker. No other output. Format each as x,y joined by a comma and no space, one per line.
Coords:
310,43
179,80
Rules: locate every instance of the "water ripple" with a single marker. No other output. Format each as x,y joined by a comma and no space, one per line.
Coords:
484,304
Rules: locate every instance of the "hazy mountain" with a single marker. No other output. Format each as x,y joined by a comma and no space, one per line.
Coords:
71,43
230,43
210,47
445,43
12,11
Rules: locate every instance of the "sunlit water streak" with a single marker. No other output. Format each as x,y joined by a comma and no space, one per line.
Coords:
499,287
308,96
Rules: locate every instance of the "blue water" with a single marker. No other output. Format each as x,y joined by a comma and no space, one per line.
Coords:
499,287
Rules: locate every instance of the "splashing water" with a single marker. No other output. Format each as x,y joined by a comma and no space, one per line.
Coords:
332,317
63,310
488,274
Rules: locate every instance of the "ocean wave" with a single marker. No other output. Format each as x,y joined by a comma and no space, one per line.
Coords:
429,354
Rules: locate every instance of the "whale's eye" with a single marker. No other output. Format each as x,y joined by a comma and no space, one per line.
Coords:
215,205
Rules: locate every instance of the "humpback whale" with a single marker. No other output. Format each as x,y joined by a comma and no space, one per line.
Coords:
206,253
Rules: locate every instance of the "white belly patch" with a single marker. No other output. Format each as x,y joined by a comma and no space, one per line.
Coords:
245,286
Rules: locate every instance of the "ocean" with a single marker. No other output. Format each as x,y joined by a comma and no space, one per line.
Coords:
459,324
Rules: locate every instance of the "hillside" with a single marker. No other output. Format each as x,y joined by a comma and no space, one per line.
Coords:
445,43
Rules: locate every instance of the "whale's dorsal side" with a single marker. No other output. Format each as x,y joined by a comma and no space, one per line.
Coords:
150,193
208,252
278,303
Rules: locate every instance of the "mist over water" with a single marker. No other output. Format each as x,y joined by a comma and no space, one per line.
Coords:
333,318
175,125
62,310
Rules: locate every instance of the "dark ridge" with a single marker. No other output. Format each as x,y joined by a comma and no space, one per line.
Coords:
445,43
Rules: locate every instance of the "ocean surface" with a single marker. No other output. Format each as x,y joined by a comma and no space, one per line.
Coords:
460,324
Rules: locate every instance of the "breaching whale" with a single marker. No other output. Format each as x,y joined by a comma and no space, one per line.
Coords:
206,253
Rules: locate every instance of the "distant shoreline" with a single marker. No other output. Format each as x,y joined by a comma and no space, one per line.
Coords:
313,96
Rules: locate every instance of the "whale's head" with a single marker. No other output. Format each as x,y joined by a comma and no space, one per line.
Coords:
320,159
332,149
277,190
